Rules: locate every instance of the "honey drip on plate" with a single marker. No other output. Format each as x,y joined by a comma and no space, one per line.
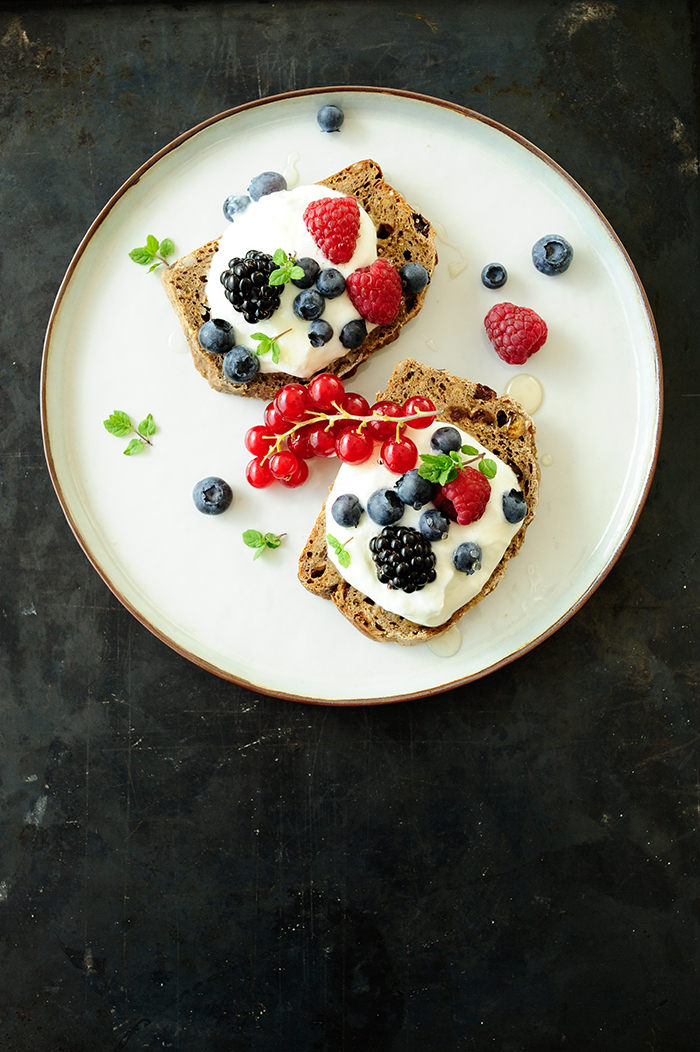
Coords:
447,644
527,390
457,267
290,172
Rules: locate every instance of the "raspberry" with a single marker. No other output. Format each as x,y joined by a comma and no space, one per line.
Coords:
515,332
334,223
464,499
375,292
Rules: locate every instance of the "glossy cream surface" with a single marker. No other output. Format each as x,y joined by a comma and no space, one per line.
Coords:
273,222
451,589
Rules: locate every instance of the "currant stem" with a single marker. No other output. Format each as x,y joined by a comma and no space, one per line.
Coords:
343,415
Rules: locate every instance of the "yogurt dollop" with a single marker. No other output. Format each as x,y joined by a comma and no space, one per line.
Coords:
276,221
451,589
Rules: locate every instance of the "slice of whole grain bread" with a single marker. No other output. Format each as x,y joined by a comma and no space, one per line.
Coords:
499,424
403,235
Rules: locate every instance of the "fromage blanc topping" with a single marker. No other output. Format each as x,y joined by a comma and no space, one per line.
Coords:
274,222
437,601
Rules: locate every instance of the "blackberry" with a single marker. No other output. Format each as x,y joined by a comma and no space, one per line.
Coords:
403,558
246,286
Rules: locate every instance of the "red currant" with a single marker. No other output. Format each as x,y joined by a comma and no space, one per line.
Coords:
259,474
399,455
419,404
274,421
299,444
353,446
258,440
293,403
283,464
321,441
326,389
382,429
355,404
299,477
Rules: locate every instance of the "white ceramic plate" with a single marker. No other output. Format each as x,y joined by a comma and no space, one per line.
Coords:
113,343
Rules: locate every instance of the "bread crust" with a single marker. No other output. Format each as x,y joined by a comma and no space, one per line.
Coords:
402,235
498,423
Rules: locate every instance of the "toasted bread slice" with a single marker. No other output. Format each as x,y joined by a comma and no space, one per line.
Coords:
403,235
499,424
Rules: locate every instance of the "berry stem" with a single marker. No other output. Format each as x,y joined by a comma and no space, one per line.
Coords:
341,414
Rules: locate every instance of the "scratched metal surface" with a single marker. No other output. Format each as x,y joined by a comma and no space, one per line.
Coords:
188,865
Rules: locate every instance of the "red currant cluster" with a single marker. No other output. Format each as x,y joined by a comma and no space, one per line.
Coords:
325,420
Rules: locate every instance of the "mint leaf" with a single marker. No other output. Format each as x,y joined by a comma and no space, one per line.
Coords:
255,539
118,424
340,549
147,427
287,268
269,344
488,468
153,250
439,468
141,256
135,446
470,451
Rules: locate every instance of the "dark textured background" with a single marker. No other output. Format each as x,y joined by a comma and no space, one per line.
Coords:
184,864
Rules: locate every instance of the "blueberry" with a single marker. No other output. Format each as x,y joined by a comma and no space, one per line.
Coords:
552,254
310,268
240,365
266,183
330,283
434,525
414,490
385,507
212,496
216,336
467,558
353,333
414,278
346,510
494,275
330,118
308,305
514,506
445,440
320,333
234,205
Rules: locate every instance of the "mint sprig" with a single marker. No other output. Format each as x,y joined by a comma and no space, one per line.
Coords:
269,344
261,541
287,269
153,250
119,424
340,549
444,467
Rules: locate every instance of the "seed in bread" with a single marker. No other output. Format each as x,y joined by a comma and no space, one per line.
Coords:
402,236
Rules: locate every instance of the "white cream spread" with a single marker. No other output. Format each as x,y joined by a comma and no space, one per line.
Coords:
276,221
451,589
